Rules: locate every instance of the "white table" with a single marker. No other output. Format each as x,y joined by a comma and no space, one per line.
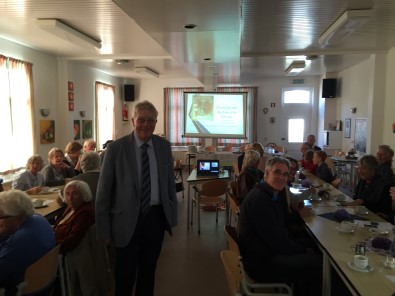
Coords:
337,251
193,180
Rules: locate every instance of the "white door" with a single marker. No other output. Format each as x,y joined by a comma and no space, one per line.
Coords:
296,118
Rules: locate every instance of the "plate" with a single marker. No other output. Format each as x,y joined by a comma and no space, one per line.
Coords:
379,231
387,264
345,231
40,207
367,269
53,189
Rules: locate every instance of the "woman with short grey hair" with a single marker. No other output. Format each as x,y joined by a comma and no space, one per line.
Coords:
90,164
24,237
32,179
79,215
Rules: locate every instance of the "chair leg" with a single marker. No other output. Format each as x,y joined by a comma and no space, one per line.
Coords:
216,213
198,209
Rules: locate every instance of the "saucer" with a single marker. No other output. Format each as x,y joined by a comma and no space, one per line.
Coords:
379,231
367,269
53,189
345,230
40,207
386,264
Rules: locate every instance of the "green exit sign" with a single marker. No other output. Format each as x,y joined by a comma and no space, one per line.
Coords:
298,81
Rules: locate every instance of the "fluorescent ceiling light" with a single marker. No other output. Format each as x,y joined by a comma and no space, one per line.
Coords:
68,33
146,72
295,68
344,25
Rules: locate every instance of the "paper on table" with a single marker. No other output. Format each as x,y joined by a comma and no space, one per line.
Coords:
391,278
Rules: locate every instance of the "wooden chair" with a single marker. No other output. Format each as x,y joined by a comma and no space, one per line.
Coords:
238,285
41,275
233,208
178,176
232,239
210,149
212,193
279,149
228,148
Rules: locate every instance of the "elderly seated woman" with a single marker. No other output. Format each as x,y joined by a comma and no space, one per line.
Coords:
32,179
56,171
78,217
372,190
24,237
249,176
90,165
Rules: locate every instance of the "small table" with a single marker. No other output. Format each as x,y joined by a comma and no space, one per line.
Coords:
193,179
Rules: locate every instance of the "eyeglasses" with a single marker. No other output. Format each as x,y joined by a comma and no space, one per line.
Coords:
5,217
278,173
142,120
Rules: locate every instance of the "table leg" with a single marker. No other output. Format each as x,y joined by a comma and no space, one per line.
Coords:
189,207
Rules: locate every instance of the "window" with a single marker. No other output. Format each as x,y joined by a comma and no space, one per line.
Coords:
104,113
296,130
296,96
16,118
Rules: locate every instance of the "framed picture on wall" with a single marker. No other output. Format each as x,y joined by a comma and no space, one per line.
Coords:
360,134
347,128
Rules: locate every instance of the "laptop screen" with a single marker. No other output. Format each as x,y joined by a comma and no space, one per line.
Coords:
208,167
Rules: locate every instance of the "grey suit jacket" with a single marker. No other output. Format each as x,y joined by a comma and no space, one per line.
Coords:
118,192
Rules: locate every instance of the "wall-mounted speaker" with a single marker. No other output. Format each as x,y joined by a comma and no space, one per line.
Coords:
128,92
329,87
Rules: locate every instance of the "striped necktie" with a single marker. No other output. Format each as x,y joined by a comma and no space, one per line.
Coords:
146,180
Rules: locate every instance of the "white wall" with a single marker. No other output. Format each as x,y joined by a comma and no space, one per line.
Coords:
389,102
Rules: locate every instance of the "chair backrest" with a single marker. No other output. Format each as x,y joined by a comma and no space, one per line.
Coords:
177,164
41,273
233,270
232,239
279,149
228,148
215,187
210,149
236,170
234,208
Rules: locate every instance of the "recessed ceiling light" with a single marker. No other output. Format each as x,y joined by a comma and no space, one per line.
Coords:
311,57
190,26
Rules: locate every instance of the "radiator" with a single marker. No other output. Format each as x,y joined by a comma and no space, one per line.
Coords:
179,155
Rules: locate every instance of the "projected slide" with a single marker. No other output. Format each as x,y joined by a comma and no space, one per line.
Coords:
215,115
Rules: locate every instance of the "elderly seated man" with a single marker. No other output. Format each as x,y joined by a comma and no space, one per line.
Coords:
311,140
384,157
269,252
372,190
24,238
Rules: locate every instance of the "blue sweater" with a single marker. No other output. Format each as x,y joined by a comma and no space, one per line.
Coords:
31,241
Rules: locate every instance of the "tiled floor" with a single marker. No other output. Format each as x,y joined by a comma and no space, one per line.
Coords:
189,263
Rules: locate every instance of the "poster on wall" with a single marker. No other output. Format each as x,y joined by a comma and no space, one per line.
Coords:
360,134
77,128
87,129
47,131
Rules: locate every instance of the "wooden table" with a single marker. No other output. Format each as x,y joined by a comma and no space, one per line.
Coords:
337,250
53,208
193,180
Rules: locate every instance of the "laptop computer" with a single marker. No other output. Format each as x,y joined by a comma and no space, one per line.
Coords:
207,168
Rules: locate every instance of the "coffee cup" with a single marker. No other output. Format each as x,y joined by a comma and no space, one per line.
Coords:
341,197
38,203
326,186
361,261
44,189
348,226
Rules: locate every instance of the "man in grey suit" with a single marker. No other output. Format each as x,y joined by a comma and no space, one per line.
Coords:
121,215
